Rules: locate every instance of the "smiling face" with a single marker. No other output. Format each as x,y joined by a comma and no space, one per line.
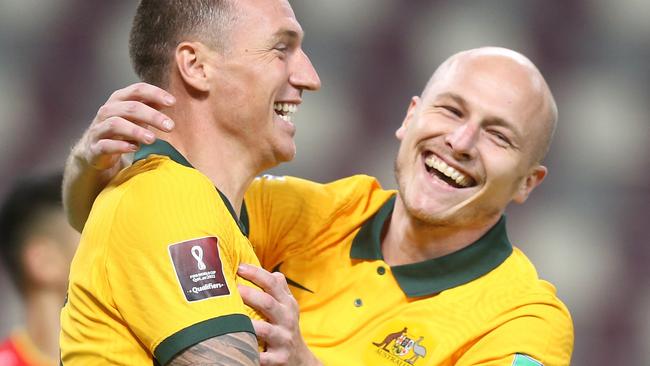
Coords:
260,79
472,143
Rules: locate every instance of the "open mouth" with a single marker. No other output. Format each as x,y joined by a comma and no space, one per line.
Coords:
285,110
450,175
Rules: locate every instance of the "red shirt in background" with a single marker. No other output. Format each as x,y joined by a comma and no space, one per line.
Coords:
19,350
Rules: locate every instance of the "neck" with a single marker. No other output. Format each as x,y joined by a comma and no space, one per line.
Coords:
409,240
214,152
42,312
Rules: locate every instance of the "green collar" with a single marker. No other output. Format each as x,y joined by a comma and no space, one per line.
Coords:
164,148
435,275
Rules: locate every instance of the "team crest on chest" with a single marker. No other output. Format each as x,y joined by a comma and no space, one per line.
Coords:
400,347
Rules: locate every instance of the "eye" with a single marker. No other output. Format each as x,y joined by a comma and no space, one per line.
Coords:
282,47
500,136
453,110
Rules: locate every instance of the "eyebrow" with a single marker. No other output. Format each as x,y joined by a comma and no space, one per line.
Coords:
285,32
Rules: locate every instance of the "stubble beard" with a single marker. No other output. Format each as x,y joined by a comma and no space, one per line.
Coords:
426,220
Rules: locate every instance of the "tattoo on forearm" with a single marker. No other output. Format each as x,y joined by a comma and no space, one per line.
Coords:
233,349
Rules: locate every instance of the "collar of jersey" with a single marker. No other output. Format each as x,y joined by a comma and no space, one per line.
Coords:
164,148
435,275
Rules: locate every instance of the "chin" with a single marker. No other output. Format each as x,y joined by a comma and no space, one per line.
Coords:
285,154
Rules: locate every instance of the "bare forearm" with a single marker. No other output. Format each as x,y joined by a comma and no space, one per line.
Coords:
81,185
230,349
121,124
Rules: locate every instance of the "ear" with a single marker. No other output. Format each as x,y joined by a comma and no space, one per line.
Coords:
534,178
191,62
409,115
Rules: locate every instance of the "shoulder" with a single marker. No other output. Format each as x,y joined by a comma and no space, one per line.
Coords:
534,300
155,192
160,175
158,181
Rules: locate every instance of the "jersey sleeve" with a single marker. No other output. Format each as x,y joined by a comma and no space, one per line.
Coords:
171,264
536,334
286,214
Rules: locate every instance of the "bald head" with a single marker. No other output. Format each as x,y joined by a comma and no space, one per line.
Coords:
507,67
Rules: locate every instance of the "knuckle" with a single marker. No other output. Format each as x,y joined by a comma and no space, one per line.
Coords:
136,89
115,94
110,124
100,147
267,304
137,132
279,278
102,112
131,107
265,331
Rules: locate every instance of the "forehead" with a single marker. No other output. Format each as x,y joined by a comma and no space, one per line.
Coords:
496,86
267,17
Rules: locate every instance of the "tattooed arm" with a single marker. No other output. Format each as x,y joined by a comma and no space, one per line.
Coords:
232,349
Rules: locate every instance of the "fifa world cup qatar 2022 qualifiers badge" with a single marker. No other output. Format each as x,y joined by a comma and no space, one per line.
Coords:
198,267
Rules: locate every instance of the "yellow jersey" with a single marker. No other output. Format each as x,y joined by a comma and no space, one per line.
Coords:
155,271
481,305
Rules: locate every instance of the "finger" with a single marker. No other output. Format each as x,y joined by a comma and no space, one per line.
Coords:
274,358
275,284
263,330
262,302
136,112
104,153
116,128
145,93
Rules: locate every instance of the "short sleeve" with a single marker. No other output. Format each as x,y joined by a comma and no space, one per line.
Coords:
171,264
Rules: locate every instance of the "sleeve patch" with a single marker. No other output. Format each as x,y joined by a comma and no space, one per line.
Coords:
198,267
523,360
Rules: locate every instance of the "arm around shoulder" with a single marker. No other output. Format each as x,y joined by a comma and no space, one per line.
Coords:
82,182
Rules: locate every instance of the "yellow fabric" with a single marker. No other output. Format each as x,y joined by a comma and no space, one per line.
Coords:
124,297
307,229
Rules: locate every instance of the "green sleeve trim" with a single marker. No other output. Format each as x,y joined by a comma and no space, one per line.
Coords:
199,332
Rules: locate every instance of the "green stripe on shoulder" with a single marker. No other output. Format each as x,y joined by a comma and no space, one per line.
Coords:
199,332
523,360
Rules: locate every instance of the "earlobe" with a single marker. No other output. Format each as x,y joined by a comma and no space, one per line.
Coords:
190,62
409,115
528,184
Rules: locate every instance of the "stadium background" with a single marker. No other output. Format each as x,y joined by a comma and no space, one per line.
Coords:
585,228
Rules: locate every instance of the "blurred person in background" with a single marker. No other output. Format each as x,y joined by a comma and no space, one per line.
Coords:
36,246
427,275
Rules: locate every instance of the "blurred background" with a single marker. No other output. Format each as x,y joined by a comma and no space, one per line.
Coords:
585,228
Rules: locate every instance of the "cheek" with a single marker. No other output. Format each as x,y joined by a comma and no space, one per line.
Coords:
504,176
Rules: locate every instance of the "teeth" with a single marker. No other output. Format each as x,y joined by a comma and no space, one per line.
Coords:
287,108
285,117
439,165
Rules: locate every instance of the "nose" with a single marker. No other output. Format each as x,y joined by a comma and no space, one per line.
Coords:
462,140
303,75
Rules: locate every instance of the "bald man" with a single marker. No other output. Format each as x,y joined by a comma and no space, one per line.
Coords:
431,259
